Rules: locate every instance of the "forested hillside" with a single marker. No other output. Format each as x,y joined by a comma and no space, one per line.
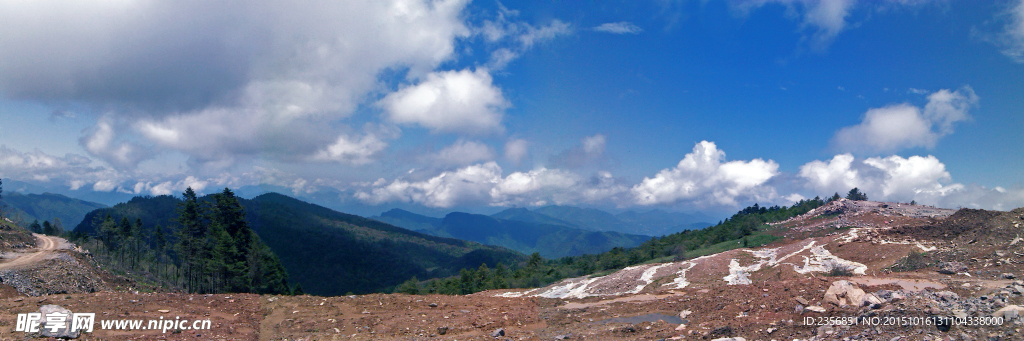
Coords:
206,247
47,207
332,253
746,228
323,251
551,241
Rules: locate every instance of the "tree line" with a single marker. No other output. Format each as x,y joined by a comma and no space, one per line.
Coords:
211,249
746,228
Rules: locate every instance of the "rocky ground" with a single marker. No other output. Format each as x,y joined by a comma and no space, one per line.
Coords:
846,271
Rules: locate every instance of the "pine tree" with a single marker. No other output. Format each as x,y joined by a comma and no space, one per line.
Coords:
856,194
410,286
160,242
108,229
835,197
35,227
221,265
190,240
228,214
58,226
137,243
47,228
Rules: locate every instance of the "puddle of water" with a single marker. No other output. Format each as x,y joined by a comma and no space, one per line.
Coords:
643,318
906,284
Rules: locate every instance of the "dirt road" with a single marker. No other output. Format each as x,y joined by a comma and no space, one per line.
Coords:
46,246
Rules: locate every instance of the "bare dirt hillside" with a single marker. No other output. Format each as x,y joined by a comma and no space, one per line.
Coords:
845,271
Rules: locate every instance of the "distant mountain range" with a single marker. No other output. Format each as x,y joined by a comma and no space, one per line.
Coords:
25,208
328,252
553,231
651,223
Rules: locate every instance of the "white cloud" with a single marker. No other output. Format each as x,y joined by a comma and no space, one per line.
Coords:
104,186
471,184
218,80
590,149
594,145
895,178
836,174
916,174
462,153
889,178
100,143
825,18
622,27
352,150
828,17
1011,39
484,184
704,178
465,101
533,34
516,150
169,187
513,188
515,38
906,126
71,169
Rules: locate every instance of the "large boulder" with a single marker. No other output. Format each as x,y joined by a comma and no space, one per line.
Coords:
1009,312
62,330
844,293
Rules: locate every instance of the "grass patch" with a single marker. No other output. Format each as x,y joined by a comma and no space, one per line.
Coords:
840,271
754,240
913,261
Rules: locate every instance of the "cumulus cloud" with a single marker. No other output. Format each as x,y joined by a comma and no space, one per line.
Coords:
169,187
705,178
100,142
906,126
465,101
516,150
484,184
71,169
462,153
895,178
471,184
352,150
622,27
218,80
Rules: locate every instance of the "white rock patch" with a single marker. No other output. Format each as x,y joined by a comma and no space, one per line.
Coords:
822,260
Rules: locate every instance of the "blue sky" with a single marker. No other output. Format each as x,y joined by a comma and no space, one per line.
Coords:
685,105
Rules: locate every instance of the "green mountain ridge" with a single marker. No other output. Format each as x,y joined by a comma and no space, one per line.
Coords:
551,241
652,223
329,252
25,208
527,216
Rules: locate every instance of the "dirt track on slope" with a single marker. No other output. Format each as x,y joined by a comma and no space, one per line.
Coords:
46,246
